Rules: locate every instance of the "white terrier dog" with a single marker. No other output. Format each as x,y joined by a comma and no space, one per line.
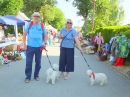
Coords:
96,77
53,74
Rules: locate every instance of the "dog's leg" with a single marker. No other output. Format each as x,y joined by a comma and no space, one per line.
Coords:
47,80
57,77
101,83
53,81
105,81
92,82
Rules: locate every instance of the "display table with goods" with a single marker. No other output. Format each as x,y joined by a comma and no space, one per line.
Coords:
90,49
11,50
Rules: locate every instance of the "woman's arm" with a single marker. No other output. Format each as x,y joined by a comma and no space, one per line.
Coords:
78,43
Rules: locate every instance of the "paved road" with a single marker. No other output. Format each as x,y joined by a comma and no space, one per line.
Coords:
12,79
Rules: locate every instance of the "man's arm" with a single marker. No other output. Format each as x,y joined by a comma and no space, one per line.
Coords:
24,40
45,37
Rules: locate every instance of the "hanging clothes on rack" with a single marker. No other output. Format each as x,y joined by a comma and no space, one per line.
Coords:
122,50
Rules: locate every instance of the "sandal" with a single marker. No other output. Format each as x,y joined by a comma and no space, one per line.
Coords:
61,75
67,77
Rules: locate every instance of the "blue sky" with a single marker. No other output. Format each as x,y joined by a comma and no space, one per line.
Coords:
70,12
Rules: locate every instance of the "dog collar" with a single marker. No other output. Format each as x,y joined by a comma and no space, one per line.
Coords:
93,75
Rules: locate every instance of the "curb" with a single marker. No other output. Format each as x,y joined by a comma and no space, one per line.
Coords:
107,62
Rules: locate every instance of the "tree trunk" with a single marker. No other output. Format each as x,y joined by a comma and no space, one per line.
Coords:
86,27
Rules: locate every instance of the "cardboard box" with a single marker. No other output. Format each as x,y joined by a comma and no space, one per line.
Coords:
10,35
11,47
90,47
21,46
90,51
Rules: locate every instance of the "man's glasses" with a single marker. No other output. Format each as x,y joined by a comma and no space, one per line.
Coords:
69,23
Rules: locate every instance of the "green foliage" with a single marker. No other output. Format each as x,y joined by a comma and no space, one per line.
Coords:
50,14
53,16
47,13
108,32
59,19
107,13
11,30
84,8
10,7
31,6
83,34
127,33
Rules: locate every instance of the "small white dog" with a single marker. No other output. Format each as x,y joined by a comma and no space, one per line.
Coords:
96,77
52,74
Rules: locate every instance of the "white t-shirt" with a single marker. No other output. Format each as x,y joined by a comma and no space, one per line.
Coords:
2,33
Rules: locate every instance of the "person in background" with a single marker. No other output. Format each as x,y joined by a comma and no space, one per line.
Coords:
54,37
49,34
87,37
80,35
58,34
37,38
2,35
66,60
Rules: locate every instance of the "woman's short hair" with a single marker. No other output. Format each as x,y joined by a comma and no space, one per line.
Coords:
67,21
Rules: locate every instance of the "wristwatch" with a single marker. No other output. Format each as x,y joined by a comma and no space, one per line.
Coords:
45,43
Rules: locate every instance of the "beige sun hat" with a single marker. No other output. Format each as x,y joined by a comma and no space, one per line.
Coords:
36,14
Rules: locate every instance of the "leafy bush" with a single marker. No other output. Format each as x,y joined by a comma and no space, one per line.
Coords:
11,30
108,32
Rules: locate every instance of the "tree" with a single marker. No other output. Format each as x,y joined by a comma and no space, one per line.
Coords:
59,19
117,13
84,7
107,13
53,16
102,13
31,6
47,13
10,7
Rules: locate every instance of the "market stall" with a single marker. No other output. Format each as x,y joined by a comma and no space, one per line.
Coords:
23,17
49,27
8,43
19,23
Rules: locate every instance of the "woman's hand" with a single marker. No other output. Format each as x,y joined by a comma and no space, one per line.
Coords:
62,35
80,49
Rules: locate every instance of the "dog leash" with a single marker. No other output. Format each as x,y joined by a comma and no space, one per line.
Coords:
82,55
78,49
47,56
64,38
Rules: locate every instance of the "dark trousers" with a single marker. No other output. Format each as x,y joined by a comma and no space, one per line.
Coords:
29,59
66,62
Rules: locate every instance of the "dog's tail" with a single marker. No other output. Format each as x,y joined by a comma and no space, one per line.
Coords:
49,71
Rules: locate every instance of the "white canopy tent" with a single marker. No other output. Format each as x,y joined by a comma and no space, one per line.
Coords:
23,17
49,27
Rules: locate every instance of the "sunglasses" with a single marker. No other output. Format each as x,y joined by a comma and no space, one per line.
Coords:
69,23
